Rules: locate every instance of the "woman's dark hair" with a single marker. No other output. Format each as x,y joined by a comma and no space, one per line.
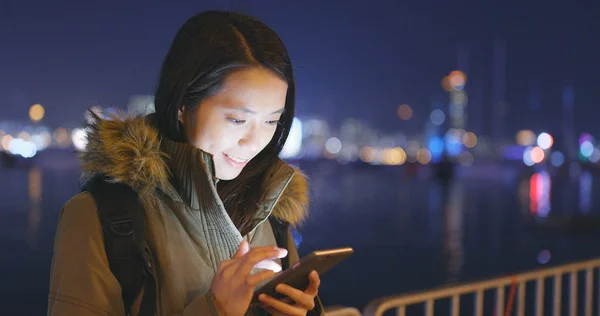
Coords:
209,47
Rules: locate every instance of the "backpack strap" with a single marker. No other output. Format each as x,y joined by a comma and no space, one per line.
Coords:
122,217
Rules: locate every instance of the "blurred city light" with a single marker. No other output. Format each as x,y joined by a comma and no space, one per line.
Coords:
545,141
526,138
537,155
557,159
437,117
446,84
367,154
470,139
333,145
293,145
36,112
466,159
405,112
424,156
457,80
586,149
79,138
6,139
61,135
527,157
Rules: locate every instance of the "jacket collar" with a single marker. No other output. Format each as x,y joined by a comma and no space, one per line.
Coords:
129,150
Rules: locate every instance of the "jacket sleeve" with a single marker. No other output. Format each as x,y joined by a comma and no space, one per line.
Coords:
293,257
81,282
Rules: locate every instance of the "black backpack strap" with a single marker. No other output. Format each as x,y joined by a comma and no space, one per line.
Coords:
122,217
280,231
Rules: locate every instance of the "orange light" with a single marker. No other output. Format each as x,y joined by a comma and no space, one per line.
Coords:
405,112
424,156
36,112
367,154
526,138
537,155
61,135
457,79
6,141
446,84
469,139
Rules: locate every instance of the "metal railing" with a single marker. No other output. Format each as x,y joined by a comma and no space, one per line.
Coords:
517,282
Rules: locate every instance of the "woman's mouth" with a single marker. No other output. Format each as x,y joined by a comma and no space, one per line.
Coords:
236,161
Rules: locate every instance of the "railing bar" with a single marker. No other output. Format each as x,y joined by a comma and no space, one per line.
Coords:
539,299
378,306
429,308
521,299
557,295
573,293
500,300
589,288
401,310
455,309
479,303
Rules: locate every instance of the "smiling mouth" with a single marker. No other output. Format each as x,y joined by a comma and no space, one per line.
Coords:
236,161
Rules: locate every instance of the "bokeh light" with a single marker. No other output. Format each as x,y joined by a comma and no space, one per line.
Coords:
526,138
537,155
61,135
405,112
367,154
457,80
36,112
424,156
333,145
557,159
470,139
586,148
545,141
79,138
437,117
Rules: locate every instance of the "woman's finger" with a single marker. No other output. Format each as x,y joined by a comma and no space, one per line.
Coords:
255,279
268,265
314,283
297,296
255,256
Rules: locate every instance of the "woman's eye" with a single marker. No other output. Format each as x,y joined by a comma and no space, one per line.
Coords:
275,122
236,122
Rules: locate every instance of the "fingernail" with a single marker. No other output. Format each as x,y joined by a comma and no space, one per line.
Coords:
262,297
279,287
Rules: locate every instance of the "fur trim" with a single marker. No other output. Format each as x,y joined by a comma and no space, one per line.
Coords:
125,149
293,205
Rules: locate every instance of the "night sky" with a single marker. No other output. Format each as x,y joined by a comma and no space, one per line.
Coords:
352,58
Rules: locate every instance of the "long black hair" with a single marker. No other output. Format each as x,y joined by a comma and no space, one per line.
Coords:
208,47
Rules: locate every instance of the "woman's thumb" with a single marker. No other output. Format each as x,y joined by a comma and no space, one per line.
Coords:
242,250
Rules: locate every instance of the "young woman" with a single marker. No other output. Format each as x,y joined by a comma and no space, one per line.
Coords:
205,168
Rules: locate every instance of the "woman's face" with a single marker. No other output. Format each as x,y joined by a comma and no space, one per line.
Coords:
237,122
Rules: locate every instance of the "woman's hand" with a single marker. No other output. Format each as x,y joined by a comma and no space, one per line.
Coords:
297,302
233,286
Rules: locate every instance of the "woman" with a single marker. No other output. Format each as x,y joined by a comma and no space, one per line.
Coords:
205,168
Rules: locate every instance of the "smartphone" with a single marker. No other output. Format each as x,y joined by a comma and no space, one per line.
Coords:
297,275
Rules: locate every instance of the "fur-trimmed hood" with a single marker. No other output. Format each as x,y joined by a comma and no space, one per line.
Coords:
127,149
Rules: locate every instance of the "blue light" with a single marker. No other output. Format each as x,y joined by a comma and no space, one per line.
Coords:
436,147
587,148
453,148
557,159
